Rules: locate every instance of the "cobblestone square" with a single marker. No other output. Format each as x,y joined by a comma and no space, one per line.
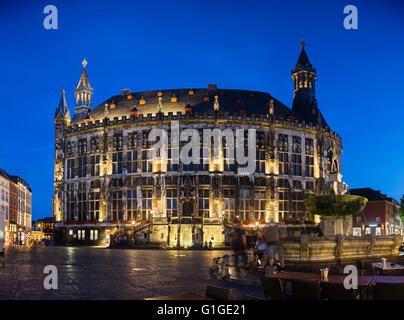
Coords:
102,273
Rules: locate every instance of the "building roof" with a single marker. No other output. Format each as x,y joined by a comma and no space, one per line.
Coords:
303,59
62,109
84,82
18,179
371,195
4,174
200,100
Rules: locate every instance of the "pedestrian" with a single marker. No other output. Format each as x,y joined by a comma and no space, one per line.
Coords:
210,245
206,244
239,244
274,251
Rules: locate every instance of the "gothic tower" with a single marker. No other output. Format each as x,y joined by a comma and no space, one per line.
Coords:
83,95
304,98
62,120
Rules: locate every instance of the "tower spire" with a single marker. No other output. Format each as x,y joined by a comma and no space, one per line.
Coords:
62,111
83,95
304,99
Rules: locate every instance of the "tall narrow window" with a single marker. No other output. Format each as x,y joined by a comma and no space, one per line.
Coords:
171,198
171,166
147,196
94,205
146,162
132,161
228,158
204,160
283,205
70,169
260,160
82,205
132,204
203,202
229,203
117,163
82,167
283,155
116,198
259,205
296,157
309,163
244,204
95,165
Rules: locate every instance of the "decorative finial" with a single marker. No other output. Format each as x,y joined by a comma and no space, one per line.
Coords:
63,91
303,44
84,63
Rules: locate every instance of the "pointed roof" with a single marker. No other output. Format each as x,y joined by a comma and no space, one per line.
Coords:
83,82
62,110
303,58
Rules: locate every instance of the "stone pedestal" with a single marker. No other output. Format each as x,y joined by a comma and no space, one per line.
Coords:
331,226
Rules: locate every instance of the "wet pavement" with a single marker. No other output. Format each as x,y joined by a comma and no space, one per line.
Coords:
102,273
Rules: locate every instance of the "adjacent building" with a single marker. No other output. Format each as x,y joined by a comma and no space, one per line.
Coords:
15,207
379,216
44,228
107,182
4,206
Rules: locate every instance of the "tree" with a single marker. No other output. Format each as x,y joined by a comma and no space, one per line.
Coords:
401,210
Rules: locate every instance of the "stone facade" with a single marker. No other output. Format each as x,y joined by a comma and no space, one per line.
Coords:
106,187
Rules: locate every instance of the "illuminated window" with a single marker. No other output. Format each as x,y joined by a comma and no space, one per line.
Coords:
204,160
171,199
229,203
117,163
146,162
259,204
132,161
116,199
132,204
378,231
94,205
244,204
368,230
283,205
171,166
260,160
203,202
82,205
146,202
95,165
356,231
296,157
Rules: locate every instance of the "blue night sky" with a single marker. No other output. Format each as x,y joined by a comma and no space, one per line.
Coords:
145,45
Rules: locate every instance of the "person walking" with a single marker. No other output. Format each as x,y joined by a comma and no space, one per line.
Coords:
274,251
239,244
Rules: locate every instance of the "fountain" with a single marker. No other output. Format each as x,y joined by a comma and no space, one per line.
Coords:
336,212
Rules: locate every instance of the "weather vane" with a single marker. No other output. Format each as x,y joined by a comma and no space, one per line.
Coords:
302,44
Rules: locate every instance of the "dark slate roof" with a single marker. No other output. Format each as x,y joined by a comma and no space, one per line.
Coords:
4,174
17,179
202,100
303,60
370,194
62,110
